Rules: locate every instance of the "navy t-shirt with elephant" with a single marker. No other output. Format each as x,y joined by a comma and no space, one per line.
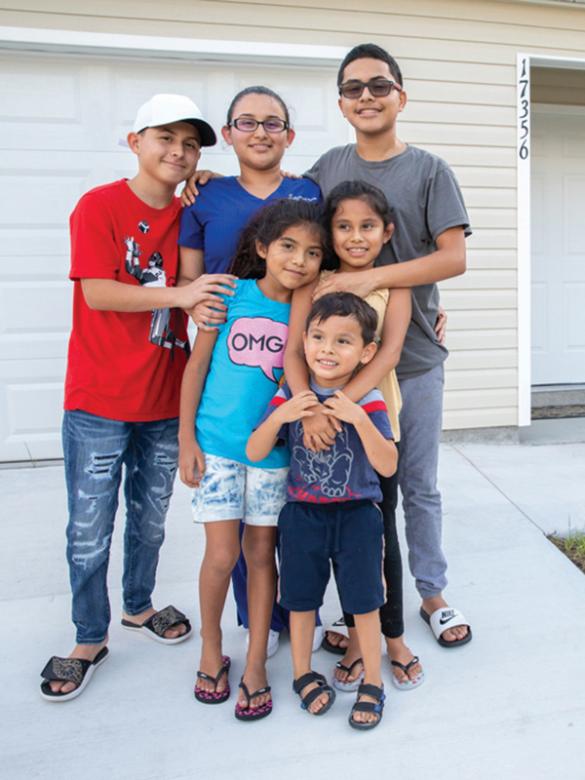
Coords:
341,473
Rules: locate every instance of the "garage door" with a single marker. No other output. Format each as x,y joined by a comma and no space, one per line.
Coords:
62,119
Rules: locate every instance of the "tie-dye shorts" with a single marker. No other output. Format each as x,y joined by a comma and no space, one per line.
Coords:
234,491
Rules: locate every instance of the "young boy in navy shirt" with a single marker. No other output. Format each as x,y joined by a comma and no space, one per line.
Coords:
331,512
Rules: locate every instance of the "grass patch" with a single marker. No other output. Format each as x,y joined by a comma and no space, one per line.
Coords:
573,546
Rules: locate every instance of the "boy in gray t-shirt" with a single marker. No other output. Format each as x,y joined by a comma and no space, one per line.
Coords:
426,201
428,245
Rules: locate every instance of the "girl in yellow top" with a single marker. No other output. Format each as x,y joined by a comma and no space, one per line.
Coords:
360,222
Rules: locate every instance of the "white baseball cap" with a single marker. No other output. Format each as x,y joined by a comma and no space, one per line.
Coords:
166,109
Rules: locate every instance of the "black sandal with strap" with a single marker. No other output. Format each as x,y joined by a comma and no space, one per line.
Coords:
78,671
159,623
376,707
309,698
249,712
214,696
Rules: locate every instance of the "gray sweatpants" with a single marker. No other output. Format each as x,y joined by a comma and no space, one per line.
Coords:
420,427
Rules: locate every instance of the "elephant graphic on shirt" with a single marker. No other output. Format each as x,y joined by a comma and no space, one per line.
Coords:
329,469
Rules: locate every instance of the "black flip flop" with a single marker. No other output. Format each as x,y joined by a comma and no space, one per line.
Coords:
253,713
329,646
214,696
352,685
407,684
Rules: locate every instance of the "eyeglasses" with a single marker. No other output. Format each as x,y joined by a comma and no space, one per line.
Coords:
377,87
247,124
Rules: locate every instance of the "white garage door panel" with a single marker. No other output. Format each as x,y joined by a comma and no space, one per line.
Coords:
31,393
61,123
540,327
28,94
48,302
51,190
98,101
37,247
574,295
129,88
36,346
44,104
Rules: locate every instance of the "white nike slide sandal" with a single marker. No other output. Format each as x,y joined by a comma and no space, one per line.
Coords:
441,620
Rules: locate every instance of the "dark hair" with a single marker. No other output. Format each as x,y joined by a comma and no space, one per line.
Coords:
355,190
372,52
345,304
257,90
359,190
267,225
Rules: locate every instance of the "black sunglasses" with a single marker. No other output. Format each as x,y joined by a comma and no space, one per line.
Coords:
377,87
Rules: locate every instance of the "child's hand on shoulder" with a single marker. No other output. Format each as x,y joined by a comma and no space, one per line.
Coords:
208,288
361,284
209,316
191,463
296,408
340,407
198,179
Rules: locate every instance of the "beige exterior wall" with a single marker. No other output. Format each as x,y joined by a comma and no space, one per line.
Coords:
459,64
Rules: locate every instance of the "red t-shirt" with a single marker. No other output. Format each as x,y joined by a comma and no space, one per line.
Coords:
113,368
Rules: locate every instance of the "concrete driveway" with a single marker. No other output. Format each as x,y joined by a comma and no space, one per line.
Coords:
510,705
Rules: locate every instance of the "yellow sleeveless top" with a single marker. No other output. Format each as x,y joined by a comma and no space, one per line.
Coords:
388,386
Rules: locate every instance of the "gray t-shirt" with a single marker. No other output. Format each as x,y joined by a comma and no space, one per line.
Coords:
426,199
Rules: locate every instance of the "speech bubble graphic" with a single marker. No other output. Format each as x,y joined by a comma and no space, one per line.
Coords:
258,342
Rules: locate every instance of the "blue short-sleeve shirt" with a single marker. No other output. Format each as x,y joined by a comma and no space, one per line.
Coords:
244,373
222,210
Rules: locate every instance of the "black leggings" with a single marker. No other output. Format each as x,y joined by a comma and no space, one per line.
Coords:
391,614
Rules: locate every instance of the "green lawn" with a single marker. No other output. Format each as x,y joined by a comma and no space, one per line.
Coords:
573,546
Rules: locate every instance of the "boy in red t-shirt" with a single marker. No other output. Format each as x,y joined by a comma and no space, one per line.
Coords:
127,352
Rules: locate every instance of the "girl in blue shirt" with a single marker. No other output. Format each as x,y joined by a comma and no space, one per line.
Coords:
231,376
259,130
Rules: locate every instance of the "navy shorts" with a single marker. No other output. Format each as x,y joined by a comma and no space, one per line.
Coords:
350,535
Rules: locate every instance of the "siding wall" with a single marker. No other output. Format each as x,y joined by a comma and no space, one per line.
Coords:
458,60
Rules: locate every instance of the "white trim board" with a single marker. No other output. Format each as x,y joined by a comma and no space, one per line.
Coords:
72,41
524,248
524,215
547,60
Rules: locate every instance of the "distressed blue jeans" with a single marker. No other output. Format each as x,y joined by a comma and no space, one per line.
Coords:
95,449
